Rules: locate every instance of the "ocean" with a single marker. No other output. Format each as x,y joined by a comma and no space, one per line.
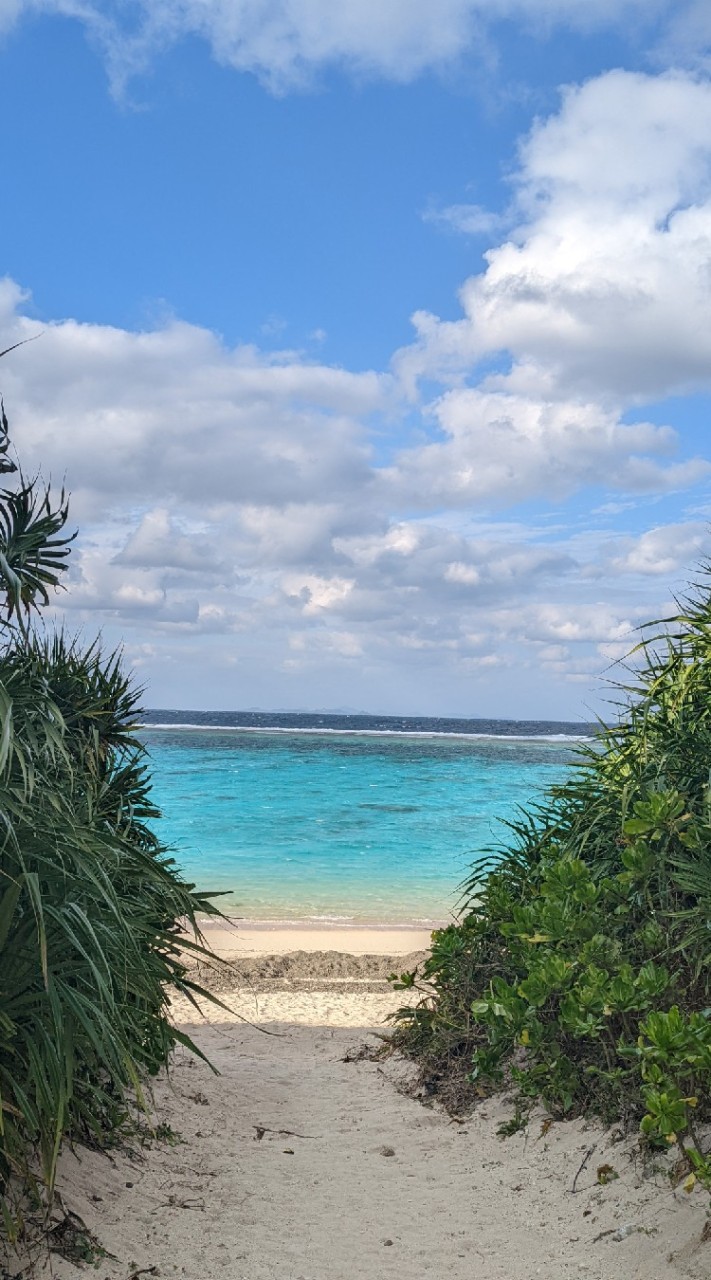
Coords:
350,819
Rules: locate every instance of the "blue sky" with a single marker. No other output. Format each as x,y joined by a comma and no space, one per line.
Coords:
376,346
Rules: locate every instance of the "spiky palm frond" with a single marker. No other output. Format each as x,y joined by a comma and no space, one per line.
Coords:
33,549
7,466
33,546
92,906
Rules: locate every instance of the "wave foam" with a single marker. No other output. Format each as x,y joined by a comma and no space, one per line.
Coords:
371,733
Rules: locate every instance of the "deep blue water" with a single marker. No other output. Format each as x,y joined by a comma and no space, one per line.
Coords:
344,817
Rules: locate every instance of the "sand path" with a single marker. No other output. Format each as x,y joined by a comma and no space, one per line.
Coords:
296,1163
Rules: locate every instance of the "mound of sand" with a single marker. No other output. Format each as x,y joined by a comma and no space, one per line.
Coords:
308,970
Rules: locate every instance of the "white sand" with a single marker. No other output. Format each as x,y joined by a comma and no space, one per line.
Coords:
298,1165
257,938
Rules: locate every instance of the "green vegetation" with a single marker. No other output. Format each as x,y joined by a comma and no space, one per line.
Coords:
579,971
91,905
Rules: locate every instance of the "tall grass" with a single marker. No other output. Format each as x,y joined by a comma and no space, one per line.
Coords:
91,904
580,969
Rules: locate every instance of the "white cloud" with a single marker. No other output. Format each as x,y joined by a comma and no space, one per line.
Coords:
286,43
469,219
294,534
604,288
317,644
99,588
664,551
599,301
159,542
467,574
567,623
174,414
686,41
315,593
504,447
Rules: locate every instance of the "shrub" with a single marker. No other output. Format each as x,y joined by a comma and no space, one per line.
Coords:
580,967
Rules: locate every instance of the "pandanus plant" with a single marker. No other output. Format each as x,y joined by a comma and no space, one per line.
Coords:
92,907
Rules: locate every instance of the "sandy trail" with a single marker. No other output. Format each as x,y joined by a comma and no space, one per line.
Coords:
303,1161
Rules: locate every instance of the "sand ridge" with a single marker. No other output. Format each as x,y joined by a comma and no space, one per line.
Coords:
243,938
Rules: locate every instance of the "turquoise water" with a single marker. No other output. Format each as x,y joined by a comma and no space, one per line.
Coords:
350,827
338,827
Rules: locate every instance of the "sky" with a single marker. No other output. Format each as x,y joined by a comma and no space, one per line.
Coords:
373,341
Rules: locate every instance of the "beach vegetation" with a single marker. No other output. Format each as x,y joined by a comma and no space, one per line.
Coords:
579,972
92,906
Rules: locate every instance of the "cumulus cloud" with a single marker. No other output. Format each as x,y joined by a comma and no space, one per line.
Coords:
666,550
596,621
597,303
174,413
503,447
160,542
604,287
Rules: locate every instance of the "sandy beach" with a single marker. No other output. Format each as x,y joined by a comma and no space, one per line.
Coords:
308,1158
259,938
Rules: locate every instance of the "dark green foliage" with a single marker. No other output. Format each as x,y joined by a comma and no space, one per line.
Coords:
91,905
33,547
580,968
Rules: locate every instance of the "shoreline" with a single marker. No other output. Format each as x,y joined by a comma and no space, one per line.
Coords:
269,937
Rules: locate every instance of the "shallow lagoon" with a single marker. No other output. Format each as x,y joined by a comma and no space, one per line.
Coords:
344,826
